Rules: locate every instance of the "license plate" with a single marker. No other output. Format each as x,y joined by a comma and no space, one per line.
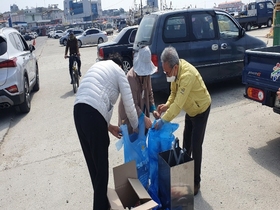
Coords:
277,102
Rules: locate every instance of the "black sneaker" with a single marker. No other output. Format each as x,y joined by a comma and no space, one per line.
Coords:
196,188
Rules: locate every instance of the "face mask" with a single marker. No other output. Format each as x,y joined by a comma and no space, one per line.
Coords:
170,79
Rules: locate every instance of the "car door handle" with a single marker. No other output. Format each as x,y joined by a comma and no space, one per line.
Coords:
224,46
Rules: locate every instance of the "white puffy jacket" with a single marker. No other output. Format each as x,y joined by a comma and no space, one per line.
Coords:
100,88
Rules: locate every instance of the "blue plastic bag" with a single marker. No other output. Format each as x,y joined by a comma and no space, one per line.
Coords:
158,141
135,148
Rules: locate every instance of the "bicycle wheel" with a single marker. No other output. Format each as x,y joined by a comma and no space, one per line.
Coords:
75,77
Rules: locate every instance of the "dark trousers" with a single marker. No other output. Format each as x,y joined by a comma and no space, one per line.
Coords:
193,139
92,130
71,61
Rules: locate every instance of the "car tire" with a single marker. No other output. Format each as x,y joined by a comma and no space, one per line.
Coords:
36,87
64,42
26,105
127,64
100,40
269,23
248,26
79,43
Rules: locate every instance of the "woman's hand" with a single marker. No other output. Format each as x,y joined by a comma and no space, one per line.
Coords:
115,130
148,122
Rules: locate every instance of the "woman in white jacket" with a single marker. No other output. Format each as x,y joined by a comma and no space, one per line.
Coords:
98,92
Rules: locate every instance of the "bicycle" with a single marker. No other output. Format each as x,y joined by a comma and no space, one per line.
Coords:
75,74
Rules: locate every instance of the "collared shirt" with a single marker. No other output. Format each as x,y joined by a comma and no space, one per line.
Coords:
188,93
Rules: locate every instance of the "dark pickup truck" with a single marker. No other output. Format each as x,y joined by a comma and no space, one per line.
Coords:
258,14
261,75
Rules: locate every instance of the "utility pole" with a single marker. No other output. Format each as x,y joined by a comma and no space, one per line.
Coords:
91,14
141,9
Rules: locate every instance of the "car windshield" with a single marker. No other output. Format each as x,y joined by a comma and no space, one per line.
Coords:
144,33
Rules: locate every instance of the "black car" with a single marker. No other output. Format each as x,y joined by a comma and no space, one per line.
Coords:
123,44
28,37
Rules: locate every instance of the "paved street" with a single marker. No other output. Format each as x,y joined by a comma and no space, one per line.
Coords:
42,166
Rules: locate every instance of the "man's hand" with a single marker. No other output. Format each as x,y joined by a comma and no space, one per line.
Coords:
162,108
79,54
278,93
65,56
115,130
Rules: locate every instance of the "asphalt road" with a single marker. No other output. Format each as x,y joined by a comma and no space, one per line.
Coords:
42,166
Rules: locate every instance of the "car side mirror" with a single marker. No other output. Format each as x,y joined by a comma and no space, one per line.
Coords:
241,32
31,48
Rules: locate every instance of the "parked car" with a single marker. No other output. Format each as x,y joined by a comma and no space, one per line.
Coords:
57,34
34,34
19,73
123,44
28,37
92,36
50,33
122,24
210,39
63,39
109,29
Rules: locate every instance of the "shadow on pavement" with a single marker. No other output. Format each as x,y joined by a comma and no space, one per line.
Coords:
268,156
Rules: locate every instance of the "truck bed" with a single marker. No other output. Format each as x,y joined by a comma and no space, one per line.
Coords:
261,74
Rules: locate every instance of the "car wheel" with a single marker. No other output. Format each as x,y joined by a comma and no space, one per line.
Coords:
248,26
26,105
36,87
79,43
100,40
269,23
127,64
65,42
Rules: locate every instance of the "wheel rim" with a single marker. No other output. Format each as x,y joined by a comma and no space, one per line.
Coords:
27,93
100,40
126,66
65,42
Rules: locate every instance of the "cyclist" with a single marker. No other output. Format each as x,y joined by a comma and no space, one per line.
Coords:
72,45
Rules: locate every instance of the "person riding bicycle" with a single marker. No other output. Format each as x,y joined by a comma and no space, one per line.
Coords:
72,45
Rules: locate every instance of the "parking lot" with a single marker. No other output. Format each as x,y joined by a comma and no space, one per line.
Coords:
42,165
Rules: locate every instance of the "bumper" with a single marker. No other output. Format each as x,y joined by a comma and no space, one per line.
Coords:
7,100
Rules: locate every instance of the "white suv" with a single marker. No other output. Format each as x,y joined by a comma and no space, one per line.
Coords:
19,73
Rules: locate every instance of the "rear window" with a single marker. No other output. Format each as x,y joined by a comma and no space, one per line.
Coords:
3,46
144,33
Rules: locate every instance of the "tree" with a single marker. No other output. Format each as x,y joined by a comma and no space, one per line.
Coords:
121,10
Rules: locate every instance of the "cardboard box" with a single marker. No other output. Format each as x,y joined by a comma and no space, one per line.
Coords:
128,192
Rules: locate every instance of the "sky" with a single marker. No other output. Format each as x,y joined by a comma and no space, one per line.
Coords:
111,4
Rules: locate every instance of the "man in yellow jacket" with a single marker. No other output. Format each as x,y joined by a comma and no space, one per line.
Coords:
188,93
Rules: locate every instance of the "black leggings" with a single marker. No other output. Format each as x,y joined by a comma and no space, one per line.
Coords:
92,130
193,139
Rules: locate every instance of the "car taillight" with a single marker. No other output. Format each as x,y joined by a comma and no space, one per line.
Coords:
12,89
101,53
9,63
255,94
155,60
